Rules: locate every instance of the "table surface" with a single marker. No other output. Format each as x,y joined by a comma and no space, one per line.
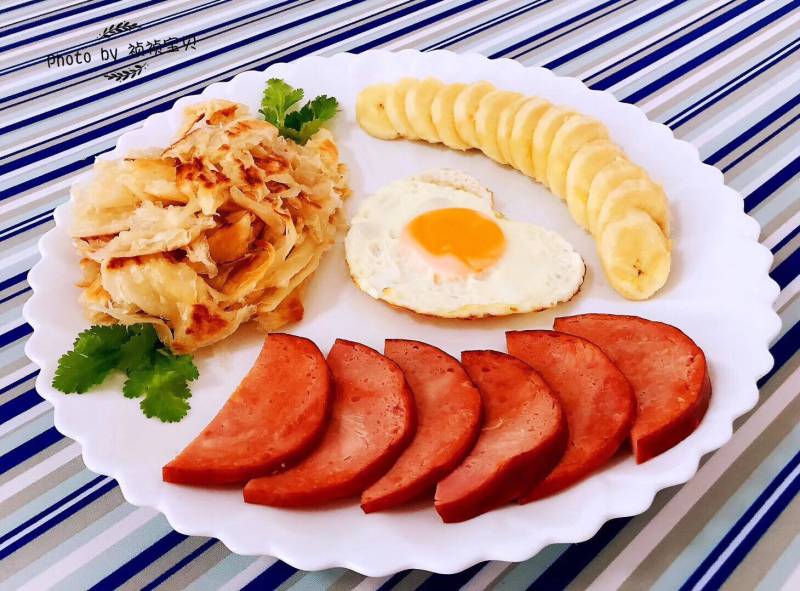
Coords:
724,75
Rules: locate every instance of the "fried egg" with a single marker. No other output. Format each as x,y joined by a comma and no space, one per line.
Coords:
435,245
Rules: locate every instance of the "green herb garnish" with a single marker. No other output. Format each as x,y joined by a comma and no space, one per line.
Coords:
300,124
154,374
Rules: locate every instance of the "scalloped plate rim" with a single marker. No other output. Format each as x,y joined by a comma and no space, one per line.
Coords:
680,473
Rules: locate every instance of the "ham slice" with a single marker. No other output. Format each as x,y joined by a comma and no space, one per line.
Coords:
596,398
666,368
372,421
523,437
448,421
275,416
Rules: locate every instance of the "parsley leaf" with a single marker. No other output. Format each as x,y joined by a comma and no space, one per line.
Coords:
324,107
277,99
138,351
298,125
154,373
184,366
167,407
95,353
163,386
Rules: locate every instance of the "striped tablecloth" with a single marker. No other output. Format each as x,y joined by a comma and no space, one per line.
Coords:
723,74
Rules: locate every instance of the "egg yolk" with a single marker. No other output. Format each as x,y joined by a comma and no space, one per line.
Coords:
471,237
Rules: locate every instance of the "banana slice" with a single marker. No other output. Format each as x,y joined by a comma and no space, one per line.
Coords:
543,136
574,133
371,112
642,194
584,165
443,118
418,108
521,141
465,108
396,108
611,176
487,119
635,255
505,124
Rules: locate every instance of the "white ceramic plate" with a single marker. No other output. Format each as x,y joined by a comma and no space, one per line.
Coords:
719,293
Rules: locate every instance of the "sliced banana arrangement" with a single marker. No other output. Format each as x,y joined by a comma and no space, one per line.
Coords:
572,154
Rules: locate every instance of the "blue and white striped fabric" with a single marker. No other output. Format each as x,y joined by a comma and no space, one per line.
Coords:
723,74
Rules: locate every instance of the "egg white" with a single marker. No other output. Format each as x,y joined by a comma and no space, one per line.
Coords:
537,270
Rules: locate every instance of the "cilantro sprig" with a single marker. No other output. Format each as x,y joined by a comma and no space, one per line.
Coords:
299,124
154,374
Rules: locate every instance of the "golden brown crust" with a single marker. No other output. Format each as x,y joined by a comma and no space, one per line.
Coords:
219,228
